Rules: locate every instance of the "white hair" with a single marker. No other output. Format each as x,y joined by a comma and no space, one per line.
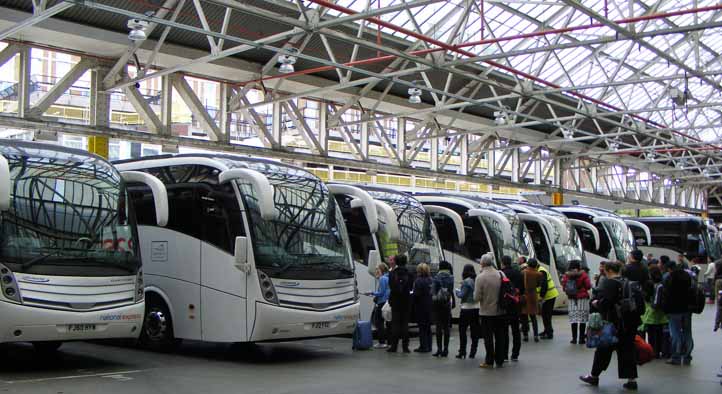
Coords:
487,260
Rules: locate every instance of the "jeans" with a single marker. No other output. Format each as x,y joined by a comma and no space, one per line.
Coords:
513,323
547,312
680,329
442,320
496,337
469,318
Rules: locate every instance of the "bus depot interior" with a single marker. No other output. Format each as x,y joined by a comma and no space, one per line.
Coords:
202,195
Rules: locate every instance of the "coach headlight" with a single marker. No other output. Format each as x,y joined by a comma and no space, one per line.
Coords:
267,288
9,285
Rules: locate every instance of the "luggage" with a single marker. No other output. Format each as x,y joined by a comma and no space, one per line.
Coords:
570,288
602,338
697,299
645,353
363,336
508,296
386,312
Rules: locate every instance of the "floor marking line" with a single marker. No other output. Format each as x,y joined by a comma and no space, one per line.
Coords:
96,375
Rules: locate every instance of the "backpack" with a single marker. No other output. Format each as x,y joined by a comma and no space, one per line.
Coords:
508,296
696,298
570,288
442,298
658,297
631,302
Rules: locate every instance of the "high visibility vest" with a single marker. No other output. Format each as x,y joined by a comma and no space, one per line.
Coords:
552,291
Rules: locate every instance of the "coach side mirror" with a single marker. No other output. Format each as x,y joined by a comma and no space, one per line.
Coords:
374,261
240,254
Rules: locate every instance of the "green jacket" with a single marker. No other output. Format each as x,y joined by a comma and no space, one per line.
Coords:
653,316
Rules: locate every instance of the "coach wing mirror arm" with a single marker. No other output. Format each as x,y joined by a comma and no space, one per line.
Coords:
261,186
374,261
543,222
560,227
497,217
591,228
361,199
391,222
240,254
455,218
647,233
5,184
160,194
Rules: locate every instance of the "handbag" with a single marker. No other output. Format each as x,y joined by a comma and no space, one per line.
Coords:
386,312
604,337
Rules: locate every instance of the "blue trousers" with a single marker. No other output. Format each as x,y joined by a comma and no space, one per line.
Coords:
680,329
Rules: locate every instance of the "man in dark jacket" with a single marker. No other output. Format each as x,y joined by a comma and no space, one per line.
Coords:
635,269
512,319
677,284
401,282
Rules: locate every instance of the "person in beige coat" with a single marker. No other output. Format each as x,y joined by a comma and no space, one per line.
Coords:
530,306
493,325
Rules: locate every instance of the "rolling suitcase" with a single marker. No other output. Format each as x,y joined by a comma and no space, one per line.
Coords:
363,336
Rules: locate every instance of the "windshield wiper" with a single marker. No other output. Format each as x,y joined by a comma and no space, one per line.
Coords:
38,259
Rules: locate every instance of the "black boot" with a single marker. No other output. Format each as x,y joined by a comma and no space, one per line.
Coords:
575,326
445,353
472,352
582,333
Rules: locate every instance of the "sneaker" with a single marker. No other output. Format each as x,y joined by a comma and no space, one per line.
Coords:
590,380
673,362
515,359
381,346
687,361
486,366
630,386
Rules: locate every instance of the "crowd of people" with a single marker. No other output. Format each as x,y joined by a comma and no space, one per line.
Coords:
499,306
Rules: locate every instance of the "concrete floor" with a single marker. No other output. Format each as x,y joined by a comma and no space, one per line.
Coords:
329,366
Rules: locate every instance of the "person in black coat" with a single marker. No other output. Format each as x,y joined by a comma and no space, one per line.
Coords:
442,310
635,269
401,283
517,279
677,283
606,299
422,307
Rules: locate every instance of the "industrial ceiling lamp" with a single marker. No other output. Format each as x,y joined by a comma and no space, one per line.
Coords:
567,133
287,61
613,145
414,94
651,156
707,173
137,29
502,117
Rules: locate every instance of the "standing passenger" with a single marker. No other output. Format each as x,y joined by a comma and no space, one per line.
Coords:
400,281
576,285
444,302
677,283
381,295
606,301
469,315
654,320
548,294
422,307
530,306
486,293
512,318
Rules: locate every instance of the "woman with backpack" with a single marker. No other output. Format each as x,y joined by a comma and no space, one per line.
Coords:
608,301
422,307
443,302
576,285
469,315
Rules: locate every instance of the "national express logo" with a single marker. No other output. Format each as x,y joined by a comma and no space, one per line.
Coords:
119,317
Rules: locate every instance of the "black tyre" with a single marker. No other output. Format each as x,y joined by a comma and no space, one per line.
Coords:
47,347
157,332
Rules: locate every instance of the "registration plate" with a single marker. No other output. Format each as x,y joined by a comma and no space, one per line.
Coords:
81,327
323,324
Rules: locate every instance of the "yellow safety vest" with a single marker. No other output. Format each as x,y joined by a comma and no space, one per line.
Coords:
552,291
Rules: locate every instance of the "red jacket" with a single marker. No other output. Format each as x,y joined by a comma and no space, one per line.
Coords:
583,285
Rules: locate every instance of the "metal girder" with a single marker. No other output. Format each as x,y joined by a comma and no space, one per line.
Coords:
35,19
150,119
194,104
60,87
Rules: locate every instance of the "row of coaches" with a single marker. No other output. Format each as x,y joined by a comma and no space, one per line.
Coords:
227,248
